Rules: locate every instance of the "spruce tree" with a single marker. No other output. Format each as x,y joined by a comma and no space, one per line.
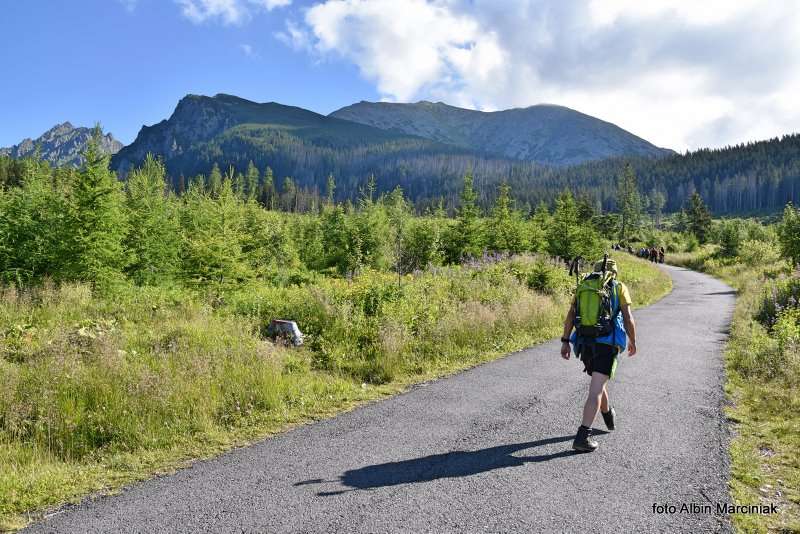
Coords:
153,239
330,190
629,202
251,181
35,225
789,234
506,232
398,213
267,196
464,239
288,195
657,202
98,223
698,217
562,234
568,235
213,234
214,181
239,187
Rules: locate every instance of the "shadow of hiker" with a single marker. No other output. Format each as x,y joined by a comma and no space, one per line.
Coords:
452,464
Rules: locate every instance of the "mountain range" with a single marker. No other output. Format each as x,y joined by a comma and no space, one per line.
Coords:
423,147
61,145
426,148
553,135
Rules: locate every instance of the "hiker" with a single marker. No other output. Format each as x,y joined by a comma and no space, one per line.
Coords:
661,255
601,317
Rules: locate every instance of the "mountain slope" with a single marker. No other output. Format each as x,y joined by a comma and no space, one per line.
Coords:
61,145
544,133
308,147
295,142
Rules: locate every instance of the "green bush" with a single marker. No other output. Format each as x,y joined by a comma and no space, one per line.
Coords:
778,296
787,330
730,236
691,243
543,276
789,234
754,253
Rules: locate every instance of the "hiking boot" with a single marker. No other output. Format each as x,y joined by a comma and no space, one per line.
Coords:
608,417
583,440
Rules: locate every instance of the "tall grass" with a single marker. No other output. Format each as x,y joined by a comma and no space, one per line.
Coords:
97,391
763,368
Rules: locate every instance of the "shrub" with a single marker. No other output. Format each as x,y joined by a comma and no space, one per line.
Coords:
754,253
547,278
779,295
691,243
421,245
730,238
787,330
789,234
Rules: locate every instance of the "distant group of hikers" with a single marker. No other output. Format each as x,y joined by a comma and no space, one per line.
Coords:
654,254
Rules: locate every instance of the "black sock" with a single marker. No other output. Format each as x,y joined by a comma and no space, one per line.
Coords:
586,427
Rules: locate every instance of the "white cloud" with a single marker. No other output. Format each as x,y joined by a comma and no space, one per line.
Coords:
295,37
407,47
129,5
272,4
680,73
247,50
227,11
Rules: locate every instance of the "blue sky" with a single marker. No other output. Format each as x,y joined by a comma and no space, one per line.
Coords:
680,73
100,60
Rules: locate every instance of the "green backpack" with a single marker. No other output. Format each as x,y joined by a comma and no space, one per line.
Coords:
593,314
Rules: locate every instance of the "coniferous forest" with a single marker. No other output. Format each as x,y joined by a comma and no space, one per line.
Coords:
753,178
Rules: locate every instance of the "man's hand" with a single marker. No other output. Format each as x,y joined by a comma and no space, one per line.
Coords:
631,348
565,350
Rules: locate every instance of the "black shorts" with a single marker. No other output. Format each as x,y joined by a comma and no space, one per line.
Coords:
600,357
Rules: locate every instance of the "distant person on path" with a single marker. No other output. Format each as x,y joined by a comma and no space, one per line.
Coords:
610,330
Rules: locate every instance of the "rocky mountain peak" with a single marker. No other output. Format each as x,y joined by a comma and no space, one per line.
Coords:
62,145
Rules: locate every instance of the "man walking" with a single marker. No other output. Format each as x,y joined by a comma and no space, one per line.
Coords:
599,354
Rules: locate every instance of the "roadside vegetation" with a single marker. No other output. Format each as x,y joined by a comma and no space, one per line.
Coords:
763,360
133,321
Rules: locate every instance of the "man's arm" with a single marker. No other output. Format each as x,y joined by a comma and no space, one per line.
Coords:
568,322
630,328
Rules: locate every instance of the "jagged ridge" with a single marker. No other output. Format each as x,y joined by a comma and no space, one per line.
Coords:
61,145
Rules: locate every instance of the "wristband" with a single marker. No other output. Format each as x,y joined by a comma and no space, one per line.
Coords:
564,340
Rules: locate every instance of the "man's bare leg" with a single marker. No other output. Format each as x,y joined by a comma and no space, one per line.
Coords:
604,399
583,439
597,390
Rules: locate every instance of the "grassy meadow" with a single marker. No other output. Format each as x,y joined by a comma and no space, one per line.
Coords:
99,392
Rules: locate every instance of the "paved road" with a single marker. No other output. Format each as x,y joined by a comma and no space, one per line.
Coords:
487,450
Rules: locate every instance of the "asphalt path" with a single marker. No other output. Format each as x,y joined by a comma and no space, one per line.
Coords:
487,450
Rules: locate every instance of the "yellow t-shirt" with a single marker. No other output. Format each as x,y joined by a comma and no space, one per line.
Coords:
624,295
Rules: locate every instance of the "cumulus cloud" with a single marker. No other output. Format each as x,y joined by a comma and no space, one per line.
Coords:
227,11
680,73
